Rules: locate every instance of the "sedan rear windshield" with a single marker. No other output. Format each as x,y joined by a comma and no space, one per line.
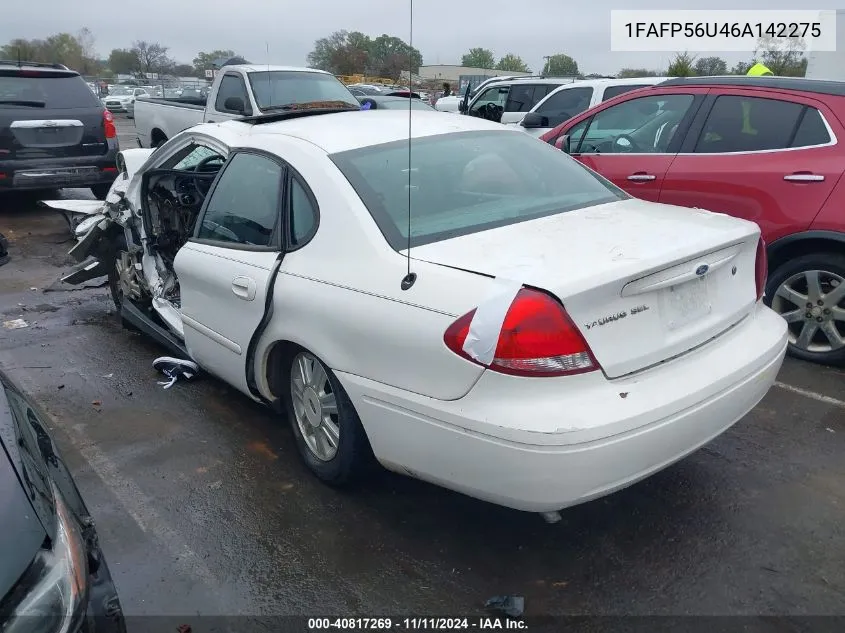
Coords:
467,182
45,90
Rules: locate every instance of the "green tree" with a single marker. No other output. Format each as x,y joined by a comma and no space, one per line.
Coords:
710,66
631,73
512,63
560,65
205,61
784,57
682,66
123,61
390,56
29,50
479,58
741,68
183,70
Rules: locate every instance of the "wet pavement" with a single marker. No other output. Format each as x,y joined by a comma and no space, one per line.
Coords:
203,506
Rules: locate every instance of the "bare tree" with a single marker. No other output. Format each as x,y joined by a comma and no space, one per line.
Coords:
152,56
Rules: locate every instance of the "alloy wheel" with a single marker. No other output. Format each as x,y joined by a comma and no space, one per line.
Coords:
811,303
314,406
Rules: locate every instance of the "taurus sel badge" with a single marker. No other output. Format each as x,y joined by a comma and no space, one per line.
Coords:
702,270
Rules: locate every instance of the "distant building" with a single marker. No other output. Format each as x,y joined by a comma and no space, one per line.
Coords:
456,74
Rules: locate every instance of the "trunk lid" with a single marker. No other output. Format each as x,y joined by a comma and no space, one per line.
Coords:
49,114
643,282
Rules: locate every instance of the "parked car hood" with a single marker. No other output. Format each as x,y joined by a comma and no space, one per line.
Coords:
27,512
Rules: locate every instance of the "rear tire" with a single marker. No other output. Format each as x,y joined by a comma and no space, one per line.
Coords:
821,318
329,435
101,191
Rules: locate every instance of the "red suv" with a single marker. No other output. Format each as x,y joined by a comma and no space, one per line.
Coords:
767,149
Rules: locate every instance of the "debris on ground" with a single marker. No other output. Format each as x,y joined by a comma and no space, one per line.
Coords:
511,606
184,628
174,369
97,403
15,324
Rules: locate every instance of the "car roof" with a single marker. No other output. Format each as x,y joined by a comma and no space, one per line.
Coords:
258,68
34,67
818,86
342,131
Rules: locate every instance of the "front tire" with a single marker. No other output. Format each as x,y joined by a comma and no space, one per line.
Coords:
328,432
809,292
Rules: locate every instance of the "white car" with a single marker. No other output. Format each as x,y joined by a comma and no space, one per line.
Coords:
572,99
540,339
121,96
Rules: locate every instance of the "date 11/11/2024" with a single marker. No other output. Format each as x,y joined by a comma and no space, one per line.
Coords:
484,623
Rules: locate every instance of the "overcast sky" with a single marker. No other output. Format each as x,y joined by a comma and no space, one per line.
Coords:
443,29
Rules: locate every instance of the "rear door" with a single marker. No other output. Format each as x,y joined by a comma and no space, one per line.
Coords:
49,114
226,269
633,142
766,156
561,106
522,98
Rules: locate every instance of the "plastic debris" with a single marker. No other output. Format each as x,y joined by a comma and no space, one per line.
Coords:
174,369
511,606
15,324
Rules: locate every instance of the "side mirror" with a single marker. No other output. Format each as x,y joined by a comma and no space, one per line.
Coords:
235,104
535,120
563,143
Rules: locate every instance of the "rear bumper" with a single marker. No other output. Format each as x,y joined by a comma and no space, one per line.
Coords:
545,444
56,173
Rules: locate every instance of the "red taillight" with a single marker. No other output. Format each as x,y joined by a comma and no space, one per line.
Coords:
761,268
108,122
537,339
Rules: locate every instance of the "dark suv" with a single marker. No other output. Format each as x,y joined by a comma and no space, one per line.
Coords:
54,131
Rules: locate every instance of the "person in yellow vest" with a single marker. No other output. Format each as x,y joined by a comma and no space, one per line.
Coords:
759,70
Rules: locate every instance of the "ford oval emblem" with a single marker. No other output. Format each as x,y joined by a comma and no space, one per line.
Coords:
702,270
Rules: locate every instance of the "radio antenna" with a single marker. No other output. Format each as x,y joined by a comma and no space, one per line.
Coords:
410,277
270,99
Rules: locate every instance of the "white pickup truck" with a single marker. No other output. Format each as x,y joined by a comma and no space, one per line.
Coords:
239,90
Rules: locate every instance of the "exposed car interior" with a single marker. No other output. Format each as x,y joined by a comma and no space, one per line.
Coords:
172,198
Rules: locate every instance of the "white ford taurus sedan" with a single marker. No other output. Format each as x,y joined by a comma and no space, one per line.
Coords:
492,317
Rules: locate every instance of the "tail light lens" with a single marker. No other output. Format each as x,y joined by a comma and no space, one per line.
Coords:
537,339
108,123
761,268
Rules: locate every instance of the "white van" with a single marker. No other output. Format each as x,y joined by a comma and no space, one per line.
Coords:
566,101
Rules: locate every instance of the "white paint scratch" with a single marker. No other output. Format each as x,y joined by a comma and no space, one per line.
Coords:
819,397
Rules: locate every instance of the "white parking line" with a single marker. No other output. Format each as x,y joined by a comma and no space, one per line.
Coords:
812,395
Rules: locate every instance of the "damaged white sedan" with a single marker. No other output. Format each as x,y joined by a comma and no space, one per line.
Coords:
492,317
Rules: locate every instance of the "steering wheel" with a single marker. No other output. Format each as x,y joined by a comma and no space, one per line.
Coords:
202,190
627,146
491,112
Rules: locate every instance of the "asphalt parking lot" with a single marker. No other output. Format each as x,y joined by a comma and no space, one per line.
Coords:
204,508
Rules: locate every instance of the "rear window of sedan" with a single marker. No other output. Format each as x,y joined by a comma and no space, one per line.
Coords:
466,182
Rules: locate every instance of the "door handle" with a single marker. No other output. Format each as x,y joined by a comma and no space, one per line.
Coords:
210,121
642,177
244,288
805,177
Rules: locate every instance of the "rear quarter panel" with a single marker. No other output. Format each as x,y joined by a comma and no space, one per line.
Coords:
339,296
